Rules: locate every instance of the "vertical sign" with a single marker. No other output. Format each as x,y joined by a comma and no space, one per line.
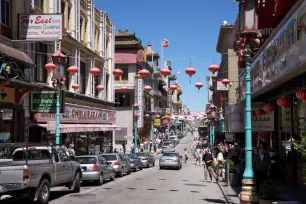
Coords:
140,102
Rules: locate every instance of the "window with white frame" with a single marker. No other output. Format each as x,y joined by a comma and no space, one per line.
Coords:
39,4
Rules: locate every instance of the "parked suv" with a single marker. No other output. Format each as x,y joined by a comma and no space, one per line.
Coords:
119,163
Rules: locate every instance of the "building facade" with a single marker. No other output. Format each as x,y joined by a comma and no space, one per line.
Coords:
87,112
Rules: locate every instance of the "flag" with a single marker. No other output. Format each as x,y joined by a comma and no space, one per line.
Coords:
165,43
178,72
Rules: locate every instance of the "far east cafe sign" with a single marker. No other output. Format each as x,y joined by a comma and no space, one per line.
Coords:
80,114
42,27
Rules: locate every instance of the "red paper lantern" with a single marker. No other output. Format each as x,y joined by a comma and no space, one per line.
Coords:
225,81
135,105
301,95
199,85
190,71
165,72
124,88
117,72
185,116
100,88
137,115
157,116
213,68
283,102
253,113
95,71
144,73
73,69
75,86
212,106
260,112
269,107
166,117
176,116
173,87
163,117
50,66
147,116
147,88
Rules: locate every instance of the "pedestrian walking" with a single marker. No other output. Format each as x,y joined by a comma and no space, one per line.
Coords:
207,163
220,165
197,157
186,155
261,164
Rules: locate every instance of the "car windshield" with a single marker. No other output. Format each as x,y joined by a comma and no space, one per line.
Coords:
86,160
110,157
141,154
167,144
129,156
169,154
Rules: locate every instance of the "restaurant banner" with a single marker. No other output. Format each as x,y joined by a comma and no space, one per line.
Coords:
42,27
80,114
260,123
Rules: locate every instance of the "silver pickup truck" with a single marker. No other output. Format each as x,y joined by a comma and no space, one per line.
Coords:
32,170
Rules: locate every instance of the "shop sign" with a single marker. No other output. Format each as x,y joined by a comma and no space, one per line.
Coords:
283,54
121,135
236,121
44,101
221,86
80,114
43,27
7,94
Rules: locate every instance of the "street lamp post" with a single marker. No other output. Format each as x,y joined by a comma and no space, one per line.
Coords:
248,41
59,59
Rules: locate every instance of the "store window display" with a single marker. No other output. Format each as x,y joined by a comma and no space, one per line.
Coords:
6,118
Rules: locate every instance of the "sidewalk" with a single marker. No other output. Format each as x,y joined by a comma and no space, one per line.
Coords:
286,193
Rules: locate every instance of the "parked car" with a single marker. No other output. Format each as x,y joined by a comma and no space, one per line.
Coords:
168,147
96,169
32,170
135,163
147,159
171,160
175,139
180,135
119,163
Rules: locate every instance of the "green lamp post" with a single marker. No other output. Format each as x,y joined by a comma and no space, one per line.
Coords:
59,60
248,42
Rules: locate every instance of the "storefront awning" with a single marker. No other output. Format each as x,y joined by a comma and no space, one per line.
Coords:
16,54
67,128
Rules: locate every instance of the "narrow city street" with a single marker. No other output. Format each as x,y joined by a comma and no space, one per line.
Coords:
150,186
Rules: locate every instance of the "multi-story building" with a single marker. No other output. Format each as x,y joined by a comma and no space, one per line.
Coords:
87,41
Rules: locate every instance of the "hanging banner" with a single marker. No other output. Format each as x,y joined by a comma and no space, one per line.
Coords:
42,27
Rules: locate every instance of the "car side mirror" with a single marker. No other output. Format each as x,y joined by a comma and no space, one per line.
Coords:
108,163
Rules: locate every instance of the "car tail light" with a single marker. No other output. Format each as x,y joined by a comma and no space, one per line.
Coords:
26,175
117,163
144,159
32,148
131,161
95,167
176,160
160,160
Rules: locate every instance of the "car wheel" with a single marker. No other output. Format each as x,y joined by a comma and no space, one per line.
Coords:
148,166
153,163
99,182
161,167
129,171
43,192
76,186
122,172
113,177
141,167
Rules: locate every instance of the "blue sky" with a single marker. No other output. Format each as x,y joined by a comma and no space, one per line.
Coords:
192,28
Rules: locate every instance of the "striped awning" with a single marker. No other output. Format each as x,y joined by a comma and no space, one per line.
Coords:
67,128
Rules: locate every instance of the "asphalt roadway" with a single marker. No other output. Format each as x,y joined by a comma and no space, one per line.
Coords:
149,186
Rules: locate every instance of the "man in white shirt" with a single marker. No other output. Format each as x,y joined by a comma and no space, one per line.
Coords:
220,165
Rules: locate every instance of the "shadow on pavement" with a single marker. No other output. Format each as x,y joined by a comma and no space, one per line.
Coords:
214,200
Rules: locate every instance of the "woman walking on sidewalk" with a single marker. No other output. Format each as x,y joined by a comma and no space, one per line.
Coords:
207,163
186,155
